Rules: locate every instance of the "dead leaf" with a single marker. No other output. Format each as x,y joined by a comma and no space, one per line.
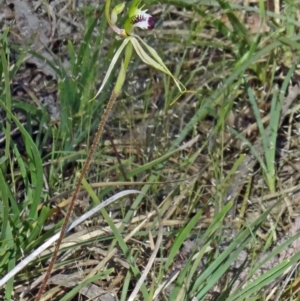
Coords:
253,22
91,291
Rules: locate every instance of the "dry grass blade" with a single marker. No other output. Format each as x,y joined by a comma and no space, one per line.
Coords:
49,242
152,257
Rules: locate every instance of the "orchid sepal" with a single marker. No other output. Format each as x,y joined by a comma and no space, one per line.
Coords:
154,61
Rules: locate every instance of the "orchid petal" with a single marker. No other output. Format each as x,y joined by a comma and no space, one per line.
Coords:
111,66
116,11
111,23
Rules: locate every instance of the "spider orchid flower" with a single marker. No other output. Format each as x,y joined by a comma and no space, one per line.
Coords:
137,17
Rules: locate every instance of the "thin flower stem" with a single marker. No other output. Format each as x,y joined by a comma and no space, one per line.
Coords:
99,132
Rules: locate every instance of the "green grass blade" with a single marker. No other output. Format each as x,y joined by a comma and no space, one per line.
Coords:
70,295
83,53
35,165
11,250
117,234
181,237
4,206
125,287
7,95
261,282
258,118
211,101
181,282
215,270
217,221
252,148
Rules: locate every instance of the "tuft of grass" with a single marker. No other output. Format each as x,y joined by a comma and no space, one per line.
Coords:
185,156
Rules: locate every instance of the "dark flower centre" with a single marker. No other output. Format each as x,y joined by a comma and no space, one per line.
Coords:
139,18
